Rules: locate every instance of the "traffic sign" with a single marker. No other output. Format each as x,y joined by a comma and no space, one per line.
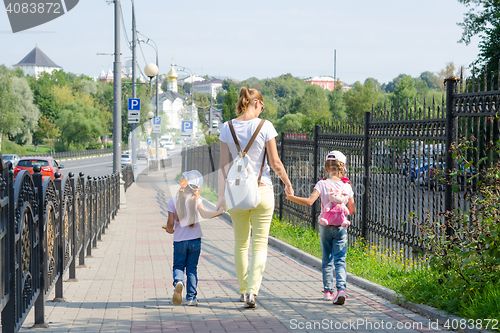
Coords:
149,130
134,104
149,141
187,128
157,125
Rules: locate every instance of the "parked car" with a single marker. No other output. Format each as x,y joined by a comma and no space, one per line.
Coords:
126,159
49,166
178,141
142,154
170,145
431,180
416,168
11,157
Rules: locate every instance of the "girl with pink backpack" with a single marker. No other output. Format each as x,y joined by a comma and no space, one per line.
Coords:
337,201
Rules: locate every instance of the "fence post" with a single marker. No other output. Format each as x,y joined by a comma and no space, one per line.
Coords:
282,157
451,136
40,301
74,241
81,260
315,172
9,312
90,214
366,176
60,248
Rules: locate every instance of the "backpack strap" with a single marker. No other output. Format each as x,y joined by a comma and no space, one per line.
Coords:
235,138
247,148
254,136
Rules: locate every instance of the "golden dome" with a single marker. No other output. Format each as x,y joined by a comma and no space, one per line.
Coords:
172,75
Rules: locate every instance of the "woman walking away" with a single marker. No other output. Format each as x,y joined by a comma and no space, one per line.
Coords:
335,192
184,213
258,136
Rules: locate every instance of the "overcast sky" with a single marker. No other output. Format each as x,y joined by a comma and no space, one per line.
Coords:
265,39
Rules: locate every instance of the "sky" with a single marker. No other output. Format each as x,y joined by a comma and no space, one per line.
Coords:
263,39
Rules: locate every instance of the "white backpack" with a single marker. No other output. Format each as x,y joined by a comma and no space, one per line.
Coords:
242,188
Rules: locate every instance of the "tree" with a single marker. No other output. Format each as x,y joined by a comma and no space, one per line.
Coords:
290,122
25,110
360,98
337,105
9,121
405,91
79,124
45,130
229,105
447,71
431,80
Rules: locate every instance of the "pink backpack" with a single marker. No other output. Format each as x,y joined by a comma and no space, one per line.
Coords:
335,211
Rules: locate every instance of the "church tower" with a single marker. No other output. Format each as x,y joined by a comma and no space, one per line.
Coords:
172,79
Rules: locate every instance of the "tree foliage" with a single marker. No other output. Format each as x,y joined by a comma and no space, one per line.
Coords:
229,105
361,97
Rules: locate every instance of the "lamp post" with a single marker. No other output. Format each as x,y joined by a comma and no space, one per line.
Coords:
117,97
151,71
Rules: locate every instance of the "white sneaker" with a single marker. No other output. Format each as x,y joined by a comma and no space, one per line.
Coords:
243,298
177,299
192,302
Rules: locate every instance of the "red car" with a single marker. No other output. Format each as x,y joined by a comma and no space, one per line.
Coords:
48,164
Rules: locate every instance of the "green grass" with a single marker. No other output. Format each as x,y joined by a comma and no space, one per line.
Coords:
41,149
415,280
209,194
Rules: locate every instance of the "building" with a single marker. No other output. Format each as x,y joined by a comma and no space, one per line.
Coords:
36,63
325,82
108,77
208,87
172,103
190,79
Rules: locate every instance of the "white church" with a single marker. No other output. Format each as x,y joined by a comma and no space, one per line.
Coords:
172,103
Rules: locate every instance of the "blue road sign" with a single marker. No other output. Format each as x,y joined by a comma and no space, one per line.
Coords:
157,121
134,104
187,127
149,141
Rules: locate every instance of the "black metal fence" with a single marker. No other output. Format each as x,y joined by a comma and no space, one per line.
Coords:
45,225
78,153
392,157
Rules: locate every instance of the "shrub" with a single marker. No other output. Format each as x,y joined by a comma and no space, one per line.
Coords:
94,145
9,147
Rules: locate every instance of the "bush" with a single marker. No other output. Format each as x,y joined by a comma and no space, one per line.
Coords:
466,250
9,147
94,145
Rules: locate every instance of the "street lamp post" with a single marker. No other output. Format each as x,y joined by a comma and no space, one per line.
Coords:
151,73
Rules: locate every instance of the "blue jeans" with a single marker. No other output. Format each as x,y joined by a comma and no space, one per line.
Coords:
186,256
334,252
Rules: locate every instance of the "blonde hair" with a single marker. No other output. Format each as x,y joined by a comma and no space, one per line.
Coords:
246,96
337,166
187,193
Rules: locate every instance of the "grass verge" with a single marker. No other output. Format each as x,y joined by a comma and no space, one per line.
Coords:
415,280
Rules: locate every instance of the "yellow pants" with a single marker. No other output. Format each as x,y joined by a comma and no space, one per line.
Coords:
260,220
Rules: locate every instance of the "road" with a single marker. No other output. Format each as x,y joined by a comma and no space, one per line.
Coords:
103,165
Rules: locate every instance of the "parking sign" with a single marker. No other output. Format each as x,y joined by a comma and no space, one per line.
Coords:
187,128
134,110
157,125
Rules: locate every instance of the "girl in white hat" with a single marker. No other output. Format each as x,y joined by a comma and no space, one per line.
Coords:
333,227
184,213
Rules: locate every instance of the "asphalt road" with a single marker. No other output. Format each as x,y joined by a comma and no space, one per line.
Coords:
103,165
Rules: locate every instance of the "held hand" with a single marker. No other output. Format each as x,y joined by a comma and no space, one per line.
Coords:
221,205
289,190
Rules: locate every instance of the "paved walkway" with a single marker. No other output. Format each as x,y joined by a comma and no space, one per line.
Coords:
126,285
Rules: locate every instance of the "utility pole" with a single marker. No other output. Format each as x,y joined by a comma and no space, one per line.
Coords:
210,113
117,95
134,92
335,69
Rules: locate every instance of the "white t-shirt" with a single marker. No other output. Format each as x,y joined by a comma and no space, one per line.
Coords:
182,233
244,131
323,189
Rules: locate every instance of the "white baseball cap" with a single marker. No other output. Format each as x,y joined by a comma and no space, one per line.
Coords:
194,178
336,155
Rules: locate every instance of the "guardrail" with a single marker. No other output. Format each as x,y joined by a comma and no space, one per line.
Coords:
165,163
78,153
45,225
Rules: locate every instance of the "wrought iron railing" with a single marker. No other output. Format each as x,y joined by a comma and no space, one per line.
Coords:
389,157
77,153
45,224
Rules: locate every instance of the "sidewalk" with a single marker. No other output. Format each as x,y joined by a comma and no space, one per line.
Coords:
127,284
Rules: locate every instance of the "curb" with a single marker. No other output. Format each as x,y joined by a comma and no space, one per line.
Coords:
428,311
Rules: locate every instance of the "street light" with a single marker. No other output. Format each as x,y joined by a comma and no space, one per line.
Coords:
185,69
